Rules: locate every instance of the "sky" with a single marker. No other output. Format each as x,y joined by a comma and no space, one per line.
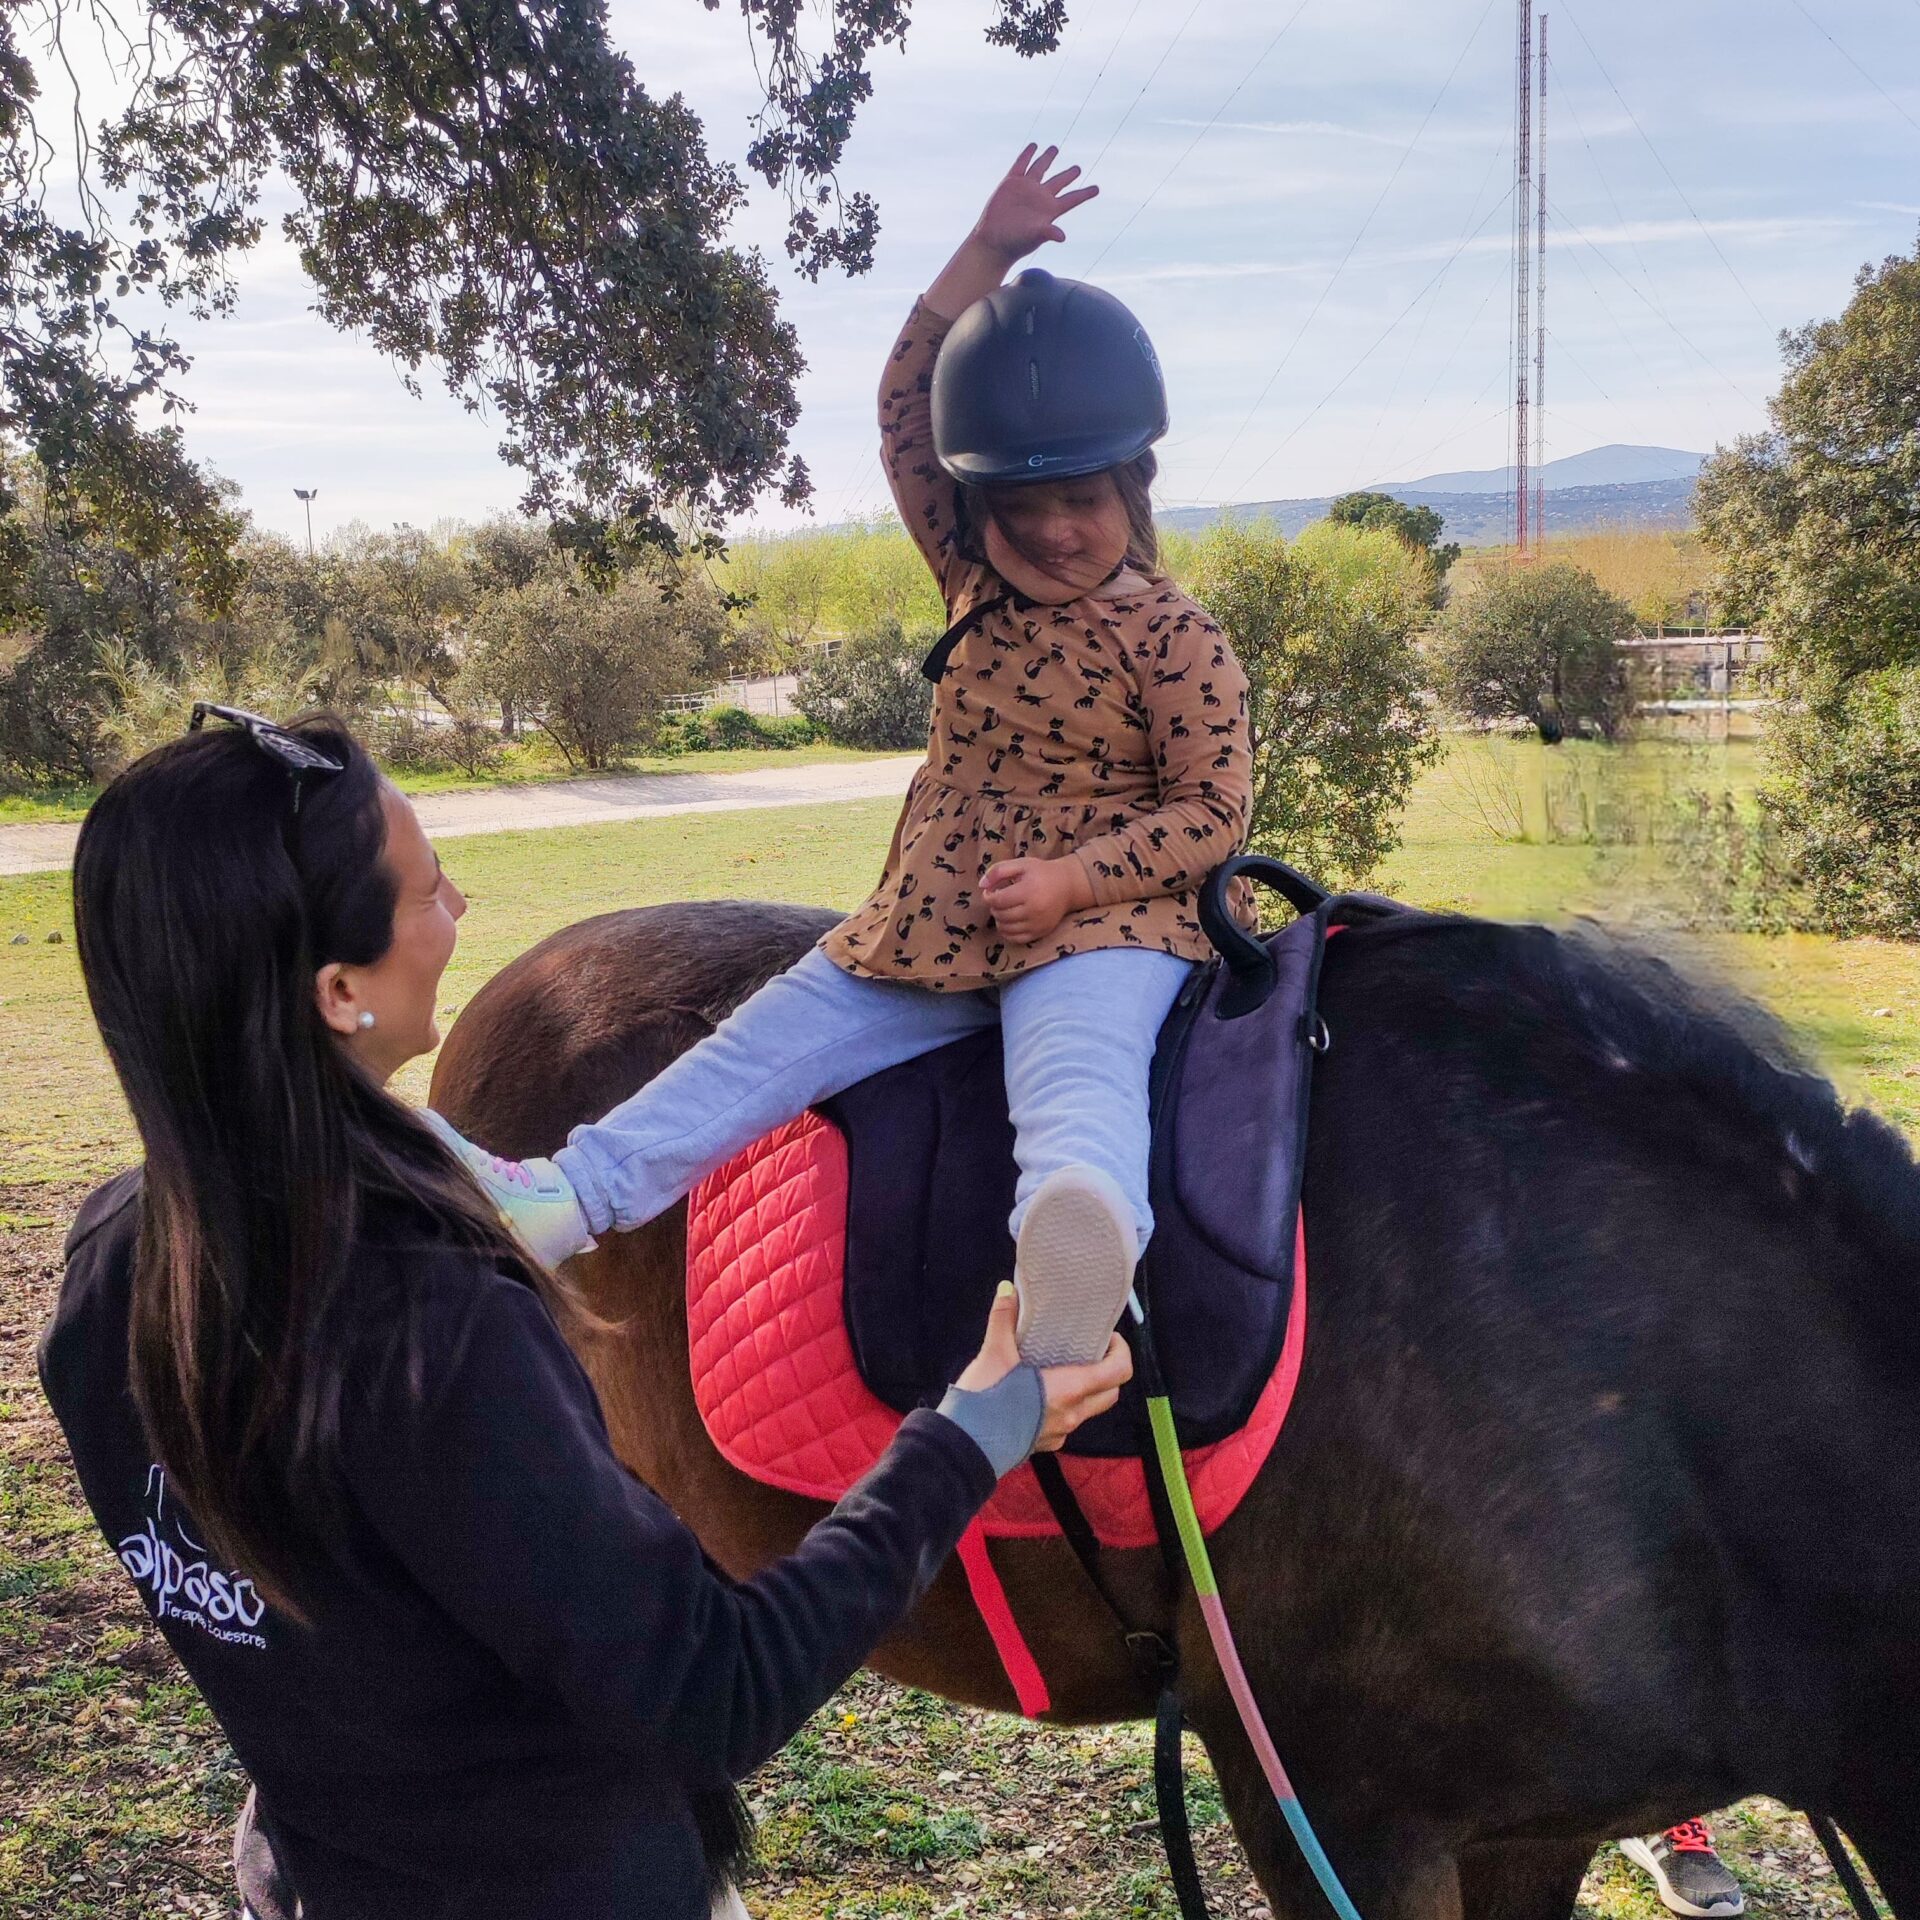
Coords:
1306,201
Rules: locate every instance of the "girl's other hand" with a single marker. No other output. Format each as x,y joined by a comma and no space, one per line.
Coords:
1025,209
1028,898
1075,1395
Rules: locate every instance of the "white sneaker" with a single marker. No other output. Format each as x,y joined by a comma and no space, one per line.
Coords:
1073,1267
533,1197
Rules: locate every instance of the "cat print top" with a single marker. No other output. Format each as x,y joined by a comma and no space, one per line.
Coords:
1111,729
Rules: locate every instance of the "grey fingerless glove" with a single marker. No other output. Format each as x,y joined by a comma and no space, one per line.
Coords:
1002,1420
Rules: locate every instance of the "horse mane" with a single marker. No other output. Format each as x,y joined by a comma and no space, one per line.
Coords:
1705,1045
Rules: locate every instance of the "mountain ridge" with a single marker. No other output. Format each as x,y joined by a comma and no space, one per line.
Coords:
1614,465
1475,505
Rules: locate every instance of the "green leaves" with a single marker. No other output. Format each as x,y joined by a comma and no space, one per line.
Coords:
1325,629
1538,643
1817,523
486,189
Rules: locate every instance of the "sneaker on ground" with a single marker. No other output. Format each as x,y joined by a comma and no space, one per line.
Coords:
534,1197
1073,1266
1688,1875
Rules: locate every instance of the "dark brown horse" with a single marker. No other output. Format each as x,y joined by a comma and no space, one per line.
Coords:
1599,1503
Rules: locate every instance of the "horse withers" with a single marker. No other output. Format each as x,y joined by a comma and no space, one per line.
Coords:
1597,1504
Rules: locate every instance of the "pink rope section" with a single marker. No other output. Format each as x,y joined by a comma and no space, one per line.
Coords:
1224,1650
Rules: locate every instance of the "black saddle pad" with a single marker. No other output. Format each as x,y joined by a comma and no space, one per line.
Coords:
931,1182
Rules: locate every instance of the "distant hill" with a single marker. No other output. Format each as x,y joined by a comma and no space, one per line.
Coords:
1578,497
1614,466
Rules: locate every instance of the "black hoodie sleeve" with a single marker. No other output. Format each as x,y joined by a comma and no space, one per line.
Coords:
493,1480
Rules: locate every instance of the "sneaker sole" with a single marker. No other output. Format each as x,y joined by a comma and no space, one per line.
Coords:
1073,1267
1642,1857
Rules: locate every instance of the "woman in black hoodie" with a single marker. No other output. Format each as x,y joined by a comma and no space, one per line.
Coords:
321,1404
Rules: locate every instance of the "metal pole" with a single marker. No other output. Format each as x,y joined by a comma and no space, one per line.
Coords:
1522,266
1540,313
307,496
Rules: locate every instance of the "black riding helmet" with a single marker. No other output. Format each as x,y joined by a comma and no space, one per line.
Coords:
1042,380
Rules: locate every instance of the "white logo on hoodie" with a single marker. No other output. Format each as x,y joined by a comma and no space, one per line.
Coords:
179,1583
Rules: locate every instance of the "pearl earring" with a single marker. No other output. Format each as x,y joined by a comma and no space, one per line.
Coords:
366,1020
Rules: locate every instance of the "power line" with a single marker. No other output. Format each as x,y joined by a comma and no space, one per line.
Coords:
1705,231
1579,366
1426,317
1212,119
1125,28
1379,339
1648,291
1057,66
1399,167
1469,332
1606,307
1505,406
1672,326
1856,66
1179,35
1565,102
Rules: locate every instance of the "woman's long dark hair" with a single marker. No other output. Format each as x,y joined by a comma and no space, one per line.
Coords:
204,906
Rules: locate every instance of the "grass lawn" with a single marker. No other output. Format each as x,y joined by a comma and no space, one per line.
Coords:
534,761
116,1789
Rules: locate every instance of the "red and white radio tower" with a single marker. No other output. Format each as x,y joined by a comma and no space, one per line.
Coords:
1529,299
1540,307
1522,266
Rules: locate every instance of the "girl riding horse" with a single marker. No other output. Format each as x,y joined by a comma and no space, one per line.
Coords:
1088,765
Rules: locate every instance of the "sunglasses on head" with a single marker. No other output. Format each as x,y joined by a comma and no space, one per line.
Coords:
298,755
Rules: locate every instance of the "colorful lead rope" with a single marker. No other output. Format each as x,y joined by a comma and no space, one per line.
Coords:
1193,1545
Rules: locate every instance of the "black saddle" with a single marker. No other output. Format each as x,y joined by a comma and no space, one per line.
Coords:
931,1172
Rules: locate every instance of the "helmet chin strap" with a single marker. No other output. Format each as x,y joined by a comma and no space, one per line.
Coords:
940,654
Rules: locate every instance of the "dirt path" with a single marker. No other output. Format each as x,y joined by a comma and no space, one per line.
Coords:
570,803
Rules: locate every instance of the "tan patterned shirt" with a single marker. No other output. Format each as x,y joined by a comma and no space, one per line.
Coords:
1112,729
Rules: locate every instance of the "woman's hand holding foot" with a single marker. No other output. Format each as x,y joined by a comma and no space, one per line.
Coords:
1010,1409
533,1197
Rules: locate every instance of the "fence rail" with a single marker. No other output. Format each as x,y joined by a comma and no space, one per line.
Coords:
1700,675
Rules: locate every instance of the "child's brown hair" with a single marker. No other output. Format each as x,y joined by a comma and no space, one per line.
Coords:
1133,479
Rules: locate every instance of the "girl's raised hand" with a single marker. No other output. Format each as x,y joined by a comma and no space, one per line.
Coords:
1024,211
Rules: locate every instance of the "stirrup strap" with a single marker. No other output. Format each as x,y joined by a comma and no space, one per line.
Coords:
1155,1660
1170,1798
1835,1848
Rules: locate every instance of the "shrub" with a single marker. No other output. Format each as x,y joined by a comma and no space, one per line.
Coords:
1540,644
872,692
676,733
591,670
143,705
736,727
1846,797
1813,524
464,741
724,727
51,713
1325,629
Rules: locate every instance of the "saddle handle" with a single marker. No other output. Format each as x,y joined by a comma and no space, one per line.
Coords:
1254,970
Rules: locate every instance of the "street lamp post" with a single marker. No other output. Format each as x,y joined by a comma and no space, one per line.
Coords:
308,495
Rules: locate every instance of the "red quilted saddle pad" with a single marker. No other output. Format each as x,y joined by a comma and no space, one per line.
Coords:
774,1372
